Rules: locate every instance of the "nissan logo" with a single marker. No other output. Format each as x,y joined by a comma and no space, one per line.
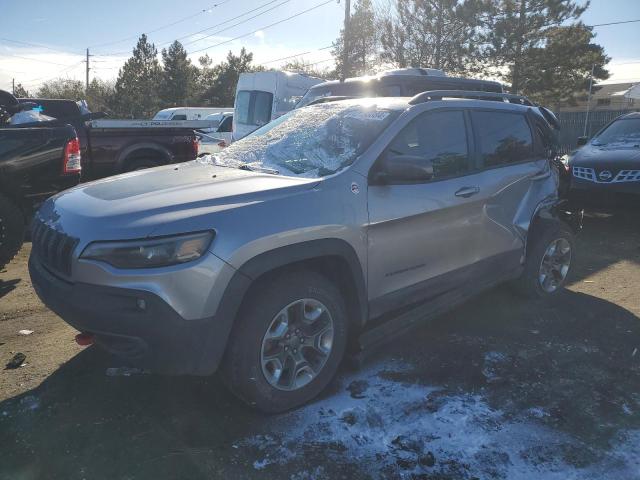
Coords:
605,175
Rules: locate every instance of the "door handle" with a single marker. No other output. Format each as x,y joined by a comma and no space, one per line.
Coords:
466,192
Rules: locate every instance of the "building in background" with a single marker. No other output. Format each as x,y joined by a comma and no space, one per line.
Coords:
613,96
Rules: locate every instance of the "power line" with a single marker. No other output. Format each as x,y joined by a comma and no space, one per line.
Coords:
212,26
35,45
35,59
36,81
265,27
184,19
614,23
295,55
235,24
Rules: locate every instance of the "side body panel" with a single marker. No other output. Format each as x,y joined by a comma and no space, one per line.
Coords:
111,148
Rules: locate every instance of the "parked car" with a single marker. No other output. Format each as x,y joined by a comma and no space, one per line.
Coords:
189,113
337,224
403,82
37,160
605,171
263,96
215,139
109,147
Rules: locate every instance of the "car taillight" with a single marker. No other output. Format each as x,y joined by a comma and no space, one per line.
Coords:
194,146
222,144
71,162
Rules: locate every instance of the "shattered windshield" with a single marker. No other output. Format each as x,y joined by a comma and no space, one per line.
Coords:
623,133
310,142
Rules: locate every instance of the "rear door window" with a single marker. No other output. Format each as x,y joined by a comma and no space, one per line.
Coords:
503,137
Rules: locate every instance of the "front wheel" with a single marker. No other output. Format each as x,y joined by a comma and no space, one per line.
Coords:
550,254
287,342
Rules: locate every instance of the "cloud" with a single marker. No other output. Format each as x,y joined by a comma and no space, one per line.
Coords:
259,34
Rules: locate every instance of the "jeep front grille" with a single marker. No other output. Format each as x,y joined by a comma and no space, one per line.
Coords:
54,249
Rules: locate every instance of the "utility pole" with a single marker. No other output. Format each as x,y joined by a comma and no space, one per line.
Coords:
87,72
13,86
586,118
345,46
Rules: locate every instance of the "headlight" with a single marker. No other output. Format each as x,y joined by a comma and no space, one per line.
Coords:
155,252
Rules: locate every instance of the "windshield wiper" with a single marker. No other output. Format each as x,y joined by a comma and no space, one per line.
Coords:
249,168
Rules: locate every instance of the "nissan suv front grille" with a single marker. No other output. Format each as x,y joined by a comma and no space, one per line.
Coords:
587,173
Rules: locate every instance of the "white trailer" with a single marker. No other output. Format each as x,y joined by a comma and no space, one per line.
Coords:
263,96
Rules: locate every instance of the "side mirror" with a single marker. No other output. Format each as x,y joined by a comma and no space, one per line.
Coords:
582,141
397,168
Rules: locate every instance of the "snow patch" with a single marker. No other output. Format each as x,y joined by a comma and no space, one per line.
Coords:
403,429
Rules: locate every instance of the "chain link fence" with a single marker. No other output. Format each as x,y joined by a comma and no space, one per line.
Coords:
572,125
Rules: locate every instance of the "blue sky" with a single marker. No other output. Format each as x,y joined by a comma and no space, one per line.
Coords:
67,27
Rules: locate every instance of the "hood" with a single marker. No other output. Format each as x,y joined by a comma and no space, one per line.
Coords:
137,204
614,157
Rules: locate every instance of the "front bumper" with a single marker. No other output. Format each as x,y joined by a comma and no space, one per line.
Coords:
606,195
135,325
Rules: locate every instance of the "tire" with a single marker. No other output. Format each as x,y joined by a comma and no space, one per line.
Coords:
12,230
140,164
531,283
243,369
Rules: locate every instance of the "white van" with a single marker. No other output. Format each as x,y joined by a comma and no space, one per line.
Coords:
189,113
263,96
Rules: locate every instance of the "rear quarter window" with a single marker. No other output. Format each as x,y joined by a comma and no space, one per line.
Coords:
503,137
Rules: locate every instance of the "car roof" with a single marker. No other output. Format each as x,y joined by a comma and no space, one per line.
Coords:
629,115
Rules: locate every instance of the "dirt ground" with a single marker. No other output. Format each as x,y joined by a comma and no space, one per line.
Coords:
498,388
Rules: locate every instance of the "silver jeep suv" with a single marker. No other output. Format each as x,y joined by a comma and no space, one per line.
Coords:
337,224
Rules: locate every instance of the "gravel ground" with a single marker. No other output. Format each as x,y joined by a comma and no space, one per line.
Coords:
498,388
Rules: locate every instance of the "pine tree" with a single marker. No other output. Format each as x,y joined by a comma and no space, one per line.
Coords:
136,91
100,96
178,76
362,43
222,91
559,72
205,76
440,34
517,29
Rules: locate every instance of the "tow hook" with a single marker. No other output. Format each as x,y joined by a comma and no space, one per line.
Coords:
84,339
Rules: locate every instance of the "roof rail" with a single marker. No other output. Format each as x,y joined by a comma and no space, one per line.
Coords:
474,95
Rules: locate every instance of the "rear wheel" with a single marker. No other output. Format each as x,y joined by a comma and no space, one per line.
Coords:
12,230
287,342
549,259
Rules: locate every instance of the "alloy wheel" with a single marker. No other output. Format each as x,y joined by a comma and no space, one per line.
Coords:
555,265
297,344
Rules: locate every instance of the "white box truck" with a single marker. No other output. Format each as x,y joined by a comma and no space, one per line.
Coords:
263,96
